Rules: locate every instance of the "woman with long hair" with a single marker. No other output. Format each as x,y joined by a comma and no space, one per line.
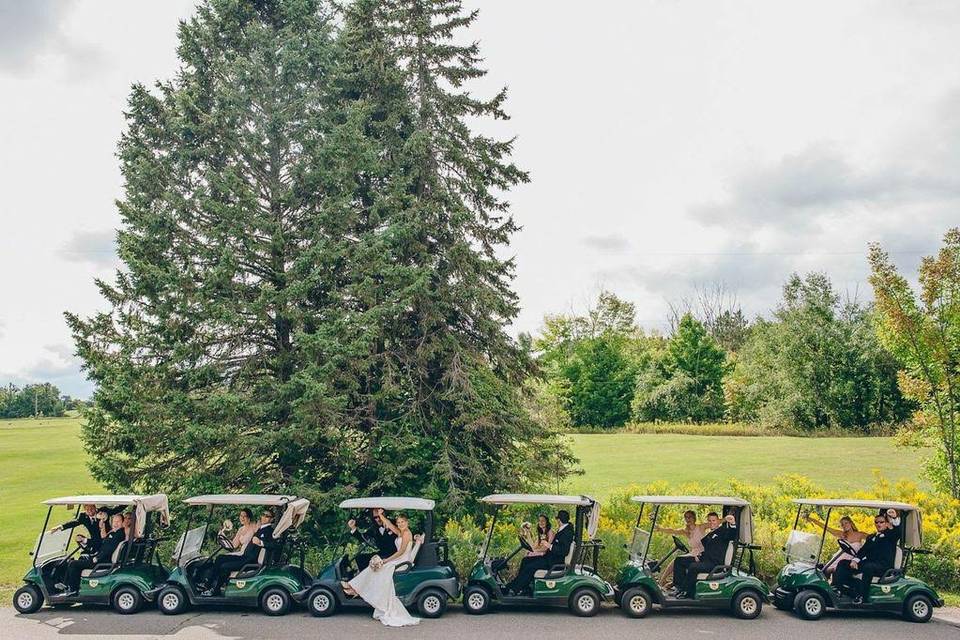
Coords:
375,583
693,532
243,536
847,532
540,539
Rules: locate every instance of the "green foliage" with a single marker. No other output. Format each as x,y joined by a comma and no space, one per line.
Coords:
684,383
817,365
313,299
32,400
923,331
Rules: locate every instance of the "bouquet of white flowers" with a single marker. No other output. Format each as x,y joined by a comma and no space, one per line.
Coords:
376,562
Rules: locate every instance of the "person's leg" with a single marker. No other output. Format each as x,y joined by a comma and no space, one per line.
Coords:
230,563
74,571
843,576
527,570
680,568
870,570
692,571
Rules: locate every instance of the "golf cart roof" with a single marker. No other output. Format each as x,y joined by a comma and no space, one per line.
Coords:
389,503
536,498
99,500
241,498
865,504
723,501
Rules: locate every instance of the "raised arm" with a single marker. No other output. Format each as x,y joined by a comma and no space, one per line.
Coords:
673,532
388,524
811,518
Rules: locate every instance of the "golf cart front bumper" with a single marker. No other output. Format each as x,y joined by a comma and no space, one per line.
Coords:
782,595
151,594
301,596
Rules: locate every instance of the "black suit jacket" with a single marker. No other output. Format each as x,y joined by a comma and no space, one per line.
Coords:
385,542
92,525
880,548
561,546
715,543
267,541
109,544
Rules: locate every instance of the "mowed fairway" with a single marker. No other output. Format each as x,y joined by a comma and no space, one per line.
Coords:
615,460
39,459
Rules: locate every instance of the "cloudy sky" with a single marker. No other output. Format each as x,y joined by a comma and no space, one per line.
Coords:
672,144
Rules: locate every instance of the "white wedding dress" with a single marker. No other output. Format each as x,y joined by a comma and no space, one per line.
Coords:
377,590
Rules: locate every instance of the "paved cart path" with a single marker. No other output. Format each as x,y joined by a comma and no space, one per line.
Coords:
608,625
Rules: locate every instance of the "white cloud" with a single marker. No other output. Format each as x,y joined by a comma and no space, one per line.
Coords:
95,247
35,29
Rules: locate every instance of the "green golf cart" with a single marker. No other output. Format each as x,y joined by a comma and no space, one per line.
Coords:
574,584
124,582
728,586
803,586
428,580
267,583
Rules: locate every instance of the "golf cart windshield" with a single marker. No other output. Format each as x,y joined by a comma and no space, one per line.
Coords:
189,545
52,545
641,538
802,547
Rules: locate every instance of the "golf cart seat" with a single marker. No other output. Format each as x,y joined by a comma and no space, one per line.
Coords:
406,566
727,561
557,569
103,568
890,575
251,568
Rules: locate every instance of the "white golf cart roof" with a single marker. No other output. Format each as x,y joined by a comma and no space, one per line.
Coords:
142,506
865,504
536,498
723,501
241,499
912,528
389,503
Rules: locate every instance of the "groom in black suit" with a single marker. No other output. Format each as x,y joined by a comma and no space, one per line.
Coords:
376,534
557,554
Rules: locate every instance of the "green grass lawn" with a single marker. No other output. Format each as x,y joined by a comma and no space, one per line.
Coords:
612,461
39,459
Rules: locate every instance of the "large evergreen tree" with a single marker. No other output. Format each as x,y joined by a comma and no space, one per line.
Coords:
312,298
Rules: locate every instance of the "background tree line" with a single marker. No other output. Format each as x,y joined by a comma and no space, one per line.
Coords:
42,399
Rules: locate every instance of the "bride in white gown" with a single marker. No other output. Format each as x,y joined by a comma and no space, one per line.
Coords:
375,583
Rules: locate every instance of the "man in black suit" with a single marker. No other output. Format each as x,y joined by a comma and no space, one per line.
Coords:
108,545
90,519
376,534
877,554
556,554
224,564
715,543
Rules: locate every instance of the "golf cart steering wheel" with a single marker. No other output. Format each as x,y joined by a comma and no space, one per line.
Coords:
846,547
225,543
680,544
524,543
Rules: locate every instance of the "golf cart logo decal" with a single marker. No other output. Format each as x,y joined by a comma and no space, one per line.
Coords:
241,584
885,588
94,583
551,584
714,586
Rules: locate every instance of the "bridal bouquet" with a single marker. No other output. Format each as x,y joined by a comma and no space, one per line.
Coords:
376,562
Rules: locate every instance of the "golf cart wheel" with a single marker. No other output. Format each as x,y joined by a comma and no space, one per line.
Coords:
747,604
476,600
275,601
322,603
585,602
918,608
636,602
432,603
171,601
809,605
127,599
27,599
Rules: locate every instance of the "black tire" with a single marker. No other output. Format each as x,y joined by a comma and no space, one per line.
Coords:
172,600
918,608
636,602
585,602
809,605
275,601
476,600
432,603
783,604
127,599
747,604
27,599
322,603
